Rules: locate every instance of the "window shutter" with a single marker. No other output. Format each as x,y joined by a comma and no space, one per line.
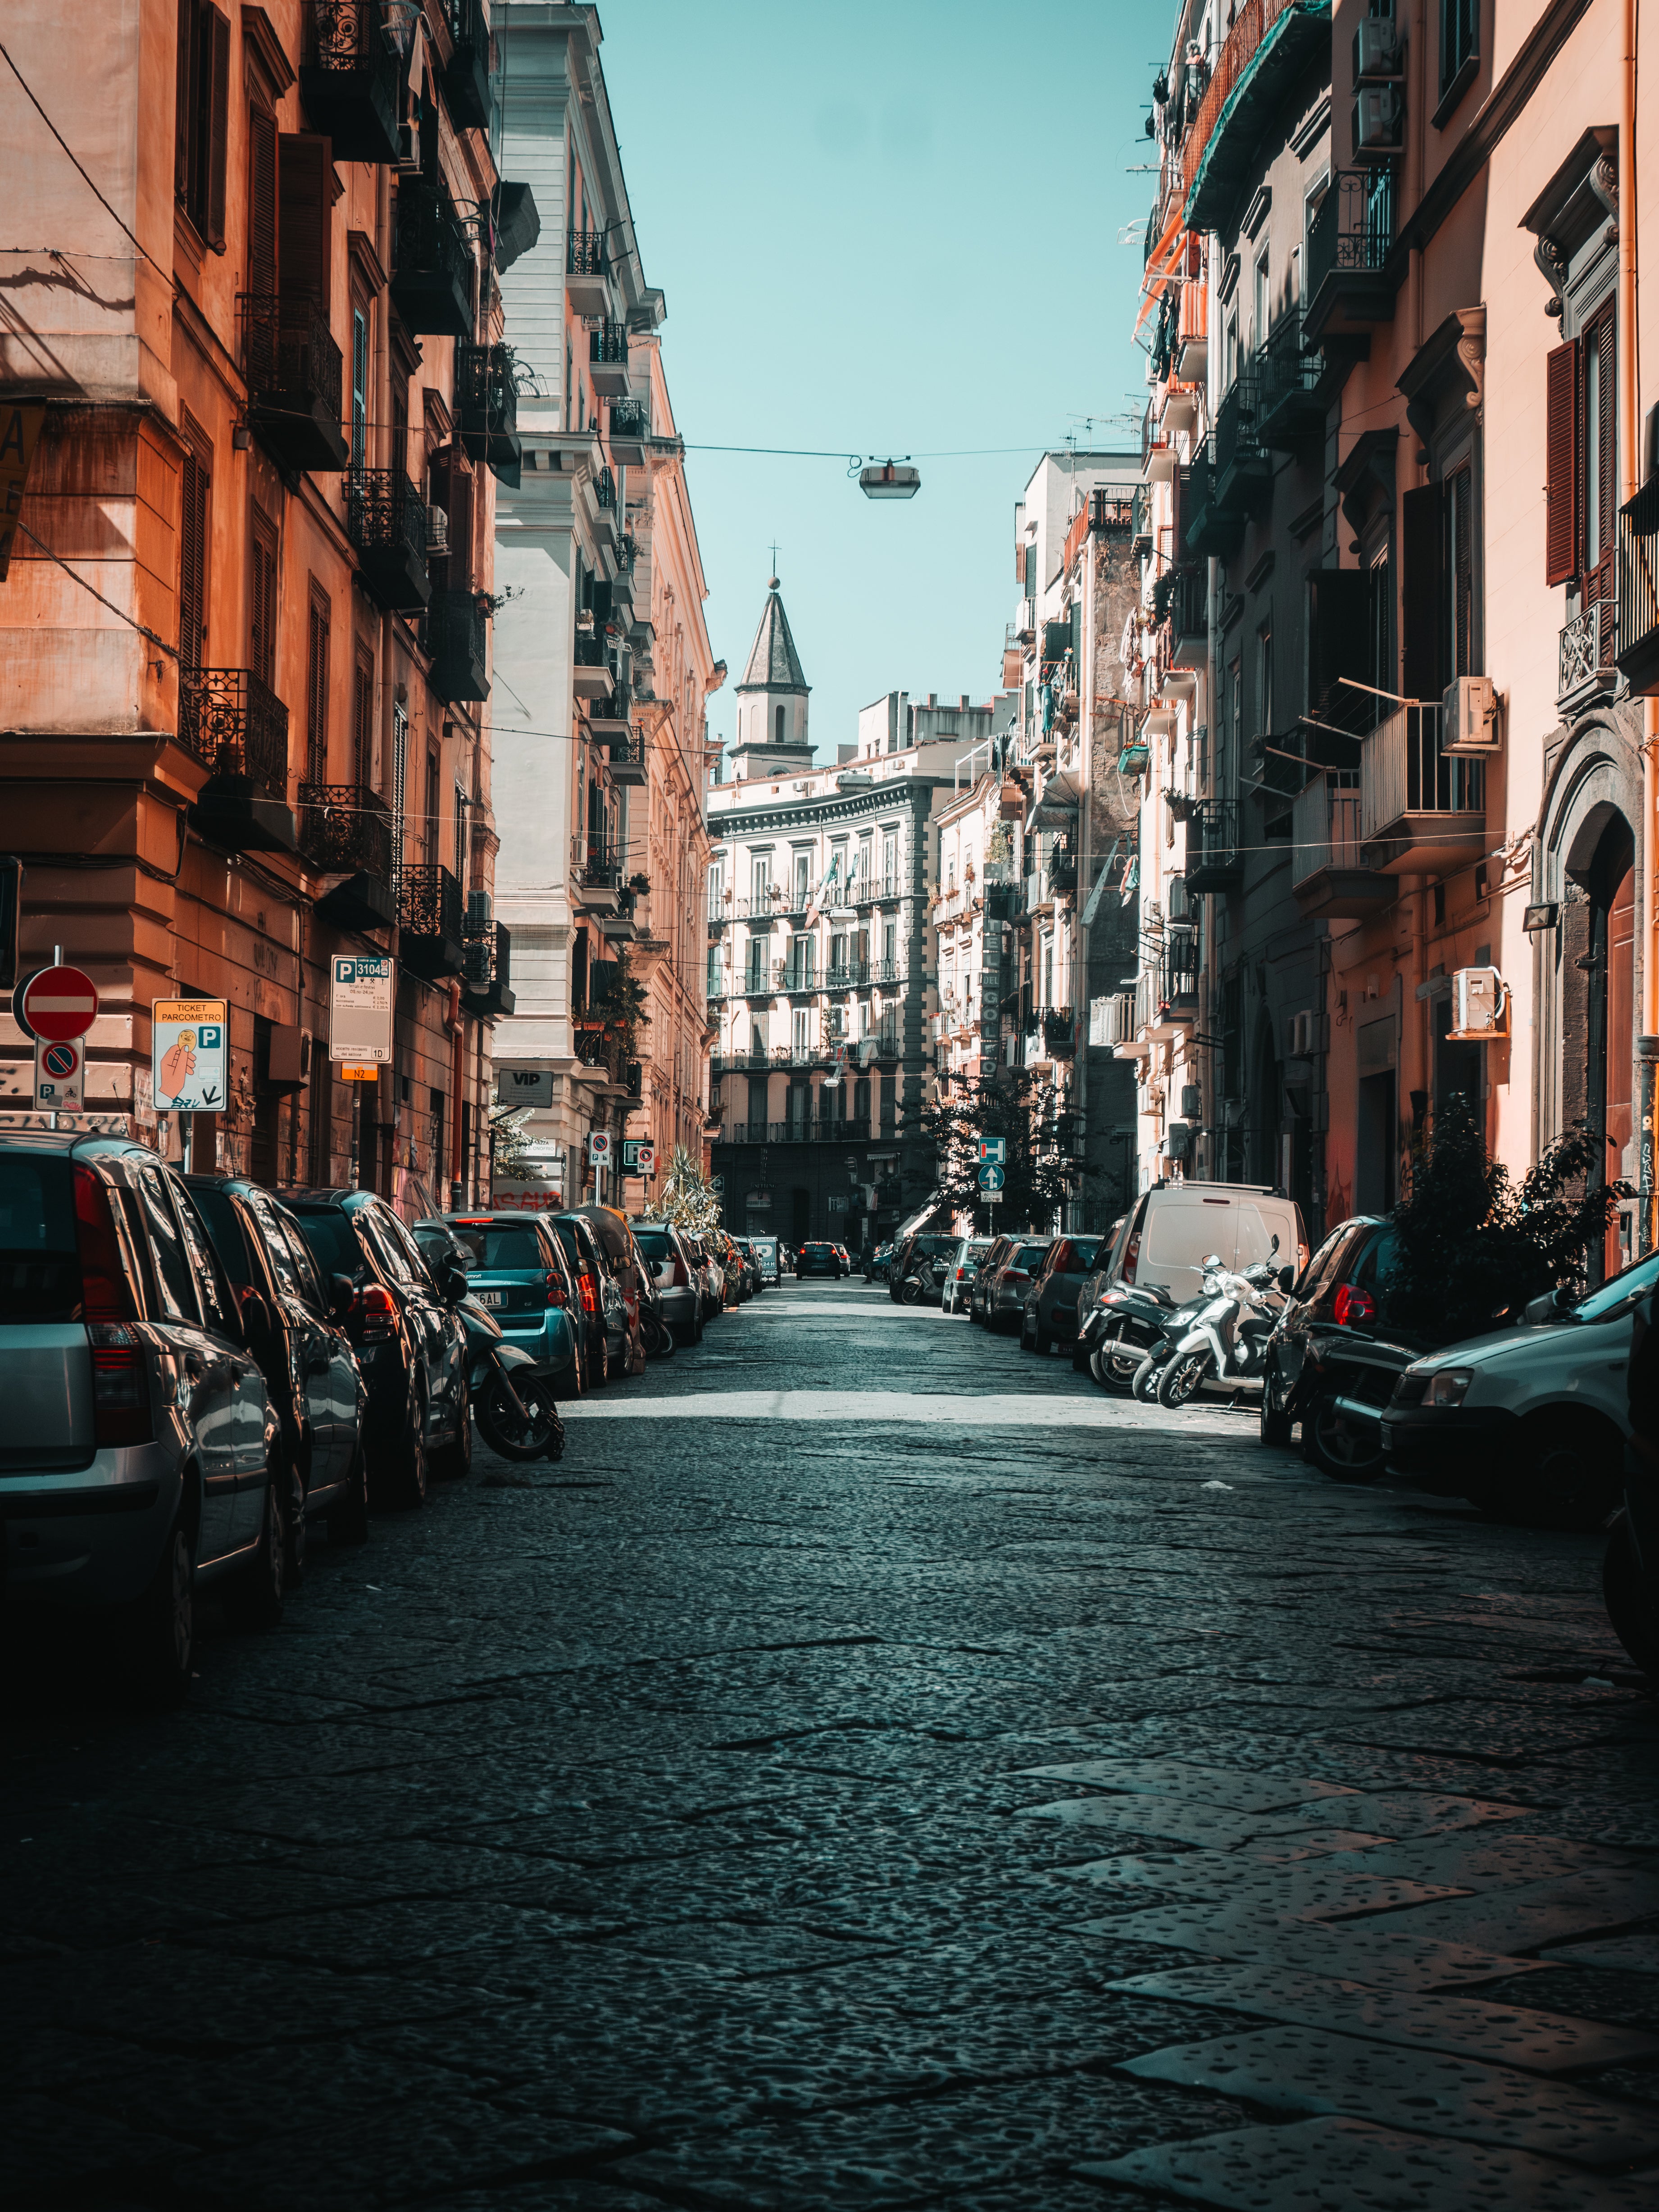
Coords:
190,21
1422,542
1460,503
261,202
216,88
461,531
362,724
359,391
317,695
1560,464
1606,461
304,260
193,562
262,612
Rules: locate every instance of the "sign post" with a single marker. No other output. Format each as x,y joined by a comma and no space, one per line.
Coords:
639,1156
60,1076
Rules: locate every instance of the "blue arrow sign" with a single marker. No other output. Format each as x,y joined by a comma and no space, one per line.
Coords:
992,1177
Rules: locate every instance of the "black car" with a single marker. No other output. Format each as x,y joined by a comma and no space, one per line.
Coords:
294,1322
597,1299
1331,1360
1051,1303
821,1259
409,1343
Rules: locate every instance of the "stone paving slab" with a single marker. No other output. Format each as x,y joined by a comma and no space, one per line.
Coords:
1300,2068
1467,2027
1204,1785
1380,1957
1628,1955
1352,2163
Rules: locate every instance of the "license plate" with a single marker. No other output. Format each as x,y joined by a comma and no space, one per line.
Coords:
490,1298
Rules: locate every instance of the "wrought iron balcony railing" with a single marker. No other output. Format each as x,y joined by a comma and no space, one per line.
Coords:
1638,589
608,345
487,972
604,488
235,724
429,919
1349,241
1241,463
629,418
584,253
1212,857
487,402
1111,513
432,269
466,76
385,521
456,645
346,828
1588,646
294,372
349,79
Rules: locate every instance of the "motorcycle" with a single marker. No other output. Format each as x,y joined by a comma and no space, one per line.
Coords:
1119,1328
1225,1337
511,1393
924,1284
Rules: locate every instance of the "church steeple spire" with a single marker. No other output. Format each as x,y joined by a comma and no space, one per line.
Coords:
772,697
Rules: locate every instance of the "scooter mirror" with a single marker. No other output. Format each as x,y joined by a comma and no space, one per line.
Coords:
1286,1278
1273,1247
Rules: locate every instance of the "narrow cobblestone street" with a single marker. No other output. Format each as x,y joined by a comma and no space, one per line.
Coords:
875,1768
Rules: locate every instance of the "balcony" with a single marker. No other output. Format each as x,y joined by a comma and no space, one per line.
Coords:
795,976
1585,655
607,719
596,877
1423,811
607,360
586,272
1270,44
1243,468
348,82
1062,869
1213,862
1208,527
432,269
238,726
348,831
1328,875
1290,377
1638,589
1111,515
1190,618
430,940
1349,240
293,369
385,521
1059,1032
846,975
487,404
592,675
629,429
486,979
756,981
1135,1042
457,647
466,74
628,763
1140,524
1175,986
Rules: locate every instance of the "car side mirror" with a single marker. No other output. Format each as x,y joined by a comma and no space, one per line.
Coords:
1552,1305
1286,1278
452,1281
342,1294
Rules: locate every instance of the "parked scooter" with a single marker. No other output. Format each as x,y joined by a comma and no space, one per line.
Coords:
924,1284
1224,1338
511,1393
1125,1323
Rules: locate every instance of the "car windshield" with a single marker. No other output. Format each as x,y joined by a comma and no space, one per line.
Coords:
332,1240
654,1244
500,1247
1083,1249
1029,1255
1617,1296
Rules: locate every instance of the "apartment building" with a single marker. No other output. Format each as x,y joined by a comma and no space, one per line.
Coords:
603,653
822,948
244,635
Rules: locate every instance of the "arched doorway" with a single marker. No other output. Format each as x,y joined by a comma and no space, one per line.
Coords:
1601,991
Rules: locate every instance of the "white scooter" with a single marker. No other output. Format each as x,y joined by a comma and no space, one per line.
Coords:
1224,1335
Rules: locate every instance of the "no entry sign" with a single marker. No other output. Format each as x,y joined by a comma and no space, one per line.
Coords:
59,1004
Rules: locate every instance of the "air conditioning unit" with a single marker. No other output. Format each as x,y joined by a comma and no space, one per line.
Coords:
437,531
1192,1101
1468,717
288,1066
479,912
1480,1006
1379,51
1379,124
1178,1141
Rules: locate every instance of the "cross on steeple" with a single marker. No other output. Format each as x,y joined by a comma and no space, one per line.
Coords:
774,556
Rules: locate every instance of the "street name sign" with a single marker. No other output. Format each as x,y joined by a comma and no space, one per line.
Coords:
59,1004
60,1076
992,1177
189,1055
361,992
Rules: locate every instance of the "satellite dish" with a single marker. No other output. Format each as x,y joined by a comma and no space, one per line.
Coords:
889,480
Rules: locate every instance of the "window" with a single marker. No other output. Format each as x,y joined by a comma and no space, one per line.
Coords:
305,196
761,885
261,202
317,690
194,537
1459,569
1581,453
262,601
201,118
802,1031
1264,680
888,949
218,1306
1460,26
166,1249
359,387
1261,301
713,970
430,813
363,722
803,877
460,835
777,727
889,862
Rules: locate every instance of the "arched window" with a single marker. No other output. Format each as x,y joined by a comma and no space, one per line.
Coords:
778,725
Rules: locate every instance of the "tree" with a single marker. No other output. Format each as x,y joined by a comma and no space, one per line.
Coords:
1473,1247
688,1200
621,1012
1038,1173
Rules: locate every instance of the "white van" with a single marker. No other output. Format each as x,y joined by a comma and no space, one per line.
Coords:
1173,1228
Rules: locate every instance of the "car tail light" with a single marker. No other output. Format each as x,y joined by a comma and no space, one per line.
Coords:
103,1280
1352,1305
554,1288
120,1392
1015,1275
682,1280
375,1312
590,1304
1132,1258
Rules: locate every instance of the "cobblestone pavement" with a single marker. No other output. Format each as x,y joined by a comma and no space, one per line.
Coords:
873,1769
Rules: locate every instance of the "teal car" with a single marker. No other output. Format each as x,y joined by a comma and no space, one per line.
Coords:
516,1271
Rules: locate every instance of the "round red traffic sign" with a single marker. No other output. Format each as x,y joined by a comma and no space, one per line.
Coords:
60,1003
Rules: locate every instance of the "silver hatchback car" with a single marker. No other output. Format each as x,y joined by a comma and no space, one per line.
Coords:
139,1445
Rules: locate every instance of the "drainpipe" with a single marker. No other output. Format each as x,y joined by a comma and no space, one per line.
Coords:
457,1080
1630,417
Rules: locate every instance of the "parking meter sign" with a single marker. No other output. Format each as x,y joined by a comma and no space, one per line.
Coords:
598,1147
361,989
60,1076
189,1055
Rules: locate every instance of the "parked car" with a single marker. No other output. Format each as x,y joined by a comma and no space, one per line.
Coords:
1173,1227
293,1324
1529,1422
627,1272
964,1266
879,1265
664,1252
908,1250
766,1254
1331,1363
819,1259
410,1346
736,1280
143,1457
1051,1303
979,1295
439,1246
1011,1273
699,1252
753,1280
604,1324
517,1270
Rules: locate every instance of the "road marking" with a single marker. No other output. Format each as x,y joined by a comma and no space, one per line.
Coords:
950,1409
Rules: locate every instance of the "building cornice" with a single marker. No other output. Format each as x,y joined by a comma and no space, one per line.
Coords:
742,821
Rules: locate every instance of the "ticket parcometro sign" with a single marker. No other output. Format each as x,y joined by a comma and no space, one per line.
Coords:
361,988
189,1055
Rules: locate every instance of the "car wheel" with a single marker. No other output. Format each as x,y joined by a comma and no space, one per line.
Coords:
348,1522
1567,1476
1042,1343
1346,1451
455,1461
298,1528
163,1622
253,1596
407,1472
1628,1597
1276,1421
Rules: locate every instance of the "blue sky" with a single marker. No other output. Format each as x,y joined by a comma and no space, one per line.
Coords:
884,229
